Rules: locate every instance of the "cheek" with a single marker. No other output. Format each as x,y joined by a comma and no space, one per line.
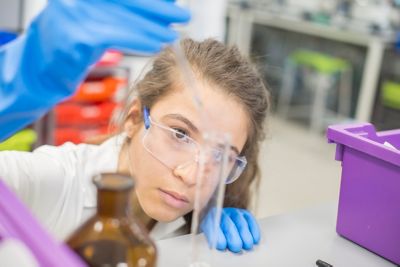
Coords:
209,189
209,193
150,175
143,168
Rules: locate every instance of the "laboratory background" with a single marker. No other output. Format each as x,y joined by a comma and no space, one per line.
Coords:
330,162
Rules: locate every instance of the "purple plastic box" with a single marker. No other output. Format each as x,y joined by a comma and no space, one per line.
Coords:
369,202
17,222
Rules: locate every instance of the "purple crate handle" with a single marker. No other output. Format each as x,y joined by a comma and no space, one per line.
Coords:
363,137
17,222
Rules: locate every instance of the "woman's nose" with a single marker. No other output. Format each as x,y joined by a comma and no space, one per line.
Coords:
186,172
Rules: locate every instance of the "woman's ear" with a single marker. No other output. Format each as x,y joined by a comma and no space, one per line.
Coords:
134,119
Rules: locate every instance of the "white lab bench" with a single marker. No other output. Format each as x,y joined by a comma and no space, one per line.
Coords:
296,239
240,30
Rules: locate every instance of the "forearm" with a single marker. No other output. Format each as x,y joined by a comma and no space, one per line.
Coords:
25,97
30,85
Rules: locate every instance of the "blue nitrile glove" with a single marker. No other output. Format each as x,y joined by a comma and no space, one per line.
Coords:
46,65
238,230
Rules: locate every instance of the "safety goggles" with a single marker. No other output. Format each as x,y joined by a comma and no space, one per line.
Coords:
174,149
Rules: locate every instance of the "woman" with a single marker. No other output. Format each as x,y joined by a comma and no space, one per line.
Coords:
56,181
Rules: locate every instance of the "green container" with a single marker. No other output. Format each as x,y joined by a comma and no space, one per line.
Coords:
21,141
391,94
318,61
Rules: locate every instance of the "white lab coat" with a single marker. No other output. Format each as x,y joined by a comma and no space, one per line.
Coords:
56,183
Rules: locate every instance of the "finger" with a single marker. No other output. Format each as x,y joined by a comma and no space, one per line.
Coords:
233,240
208,228
141,44
127,22
136,41
166,11
221,241
253,225
242,226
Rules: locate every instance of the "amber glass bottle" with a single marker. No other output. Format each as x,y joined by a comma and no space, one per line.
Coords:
112,237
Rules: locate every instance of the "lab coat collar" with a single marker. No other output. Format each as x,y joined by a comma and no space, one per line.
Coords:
104,158
163,230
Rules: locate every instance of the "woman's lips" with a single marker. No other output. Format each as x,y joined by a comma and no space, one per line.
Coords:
174,199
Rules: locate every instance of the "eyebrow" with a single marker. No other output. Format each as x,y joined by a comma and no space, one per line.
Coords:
193,127
184,120
235,149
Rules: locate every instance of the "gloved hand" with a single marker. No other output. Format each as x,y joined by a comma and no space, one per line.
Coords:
238,230
47,64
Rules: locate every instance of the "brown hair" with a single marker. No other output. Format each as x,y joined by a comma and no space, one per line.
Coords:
226,68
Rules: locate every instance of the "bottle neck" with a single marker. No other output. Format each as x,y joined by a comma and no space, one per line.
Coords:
112,203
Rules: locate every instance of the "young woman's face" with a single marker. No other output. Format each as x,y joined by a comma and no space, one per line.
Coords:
167,192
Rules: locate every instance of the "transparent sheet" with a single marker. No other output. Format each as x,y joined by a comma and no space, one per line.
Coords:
210,188
211,172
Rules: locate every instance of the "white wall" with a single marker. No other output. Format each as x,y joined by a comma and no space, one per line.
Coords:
31,9
16,15
208,19
9,15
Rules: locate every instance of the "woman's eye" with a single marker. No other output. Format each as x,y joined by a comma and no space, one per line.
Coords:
217,155
181,135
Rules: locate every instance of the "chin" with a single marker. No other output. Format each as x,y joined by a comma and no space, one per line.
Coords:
162,214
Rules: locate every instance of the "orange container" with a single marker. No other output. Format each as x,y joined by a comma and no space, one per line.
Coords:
82,114
97,91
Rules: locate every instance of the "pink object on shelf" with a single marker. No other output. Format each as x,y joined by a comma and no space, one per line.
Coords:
110,58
